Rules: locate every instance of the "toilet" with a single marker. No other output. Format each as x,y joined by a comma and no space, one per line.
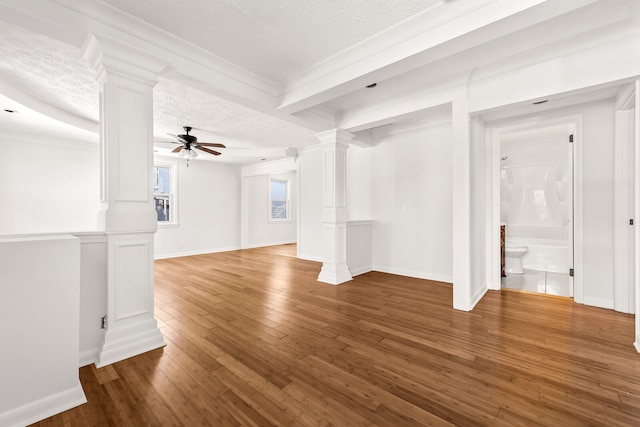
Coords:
513,259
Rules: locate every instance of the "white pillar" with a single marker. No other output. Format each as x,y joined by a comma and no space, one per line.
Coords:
127,77
334,145
461,204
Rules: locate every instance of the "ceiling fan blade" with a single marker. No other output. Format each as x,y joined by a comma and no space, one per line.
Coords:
211,144
177,149
206,150
178,137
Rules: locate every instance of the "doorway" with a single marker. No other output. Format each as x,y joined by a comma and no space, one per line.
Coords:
533,192
536,208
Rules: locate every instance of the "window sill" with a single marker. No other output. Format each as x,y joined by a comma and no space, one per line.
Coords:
168,225
278,221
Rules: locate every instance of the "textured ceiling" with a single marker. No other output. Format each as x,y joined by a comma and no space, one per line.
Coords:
54,73
48,70
276,39
273,38
218,120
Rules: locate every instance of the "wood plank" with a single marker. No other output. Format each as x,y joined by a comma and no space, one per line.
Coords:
253,339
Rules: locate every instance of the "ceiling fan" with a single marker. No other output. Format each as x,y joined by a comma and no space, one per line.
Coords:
189,143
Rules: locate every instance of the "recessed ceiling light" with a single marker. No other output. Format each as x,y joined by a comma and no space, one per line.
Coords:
372,85
9,111
540,102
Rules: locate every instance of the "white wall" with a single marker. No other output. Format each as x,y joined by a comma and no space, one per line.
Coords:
39,324
260,231
93,294
359,183
208,210
479,211
310,237
413,168
48,185
598,209
406,166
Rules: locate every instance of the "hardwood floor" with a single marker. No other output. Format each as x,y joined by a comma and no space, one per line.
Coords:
254,340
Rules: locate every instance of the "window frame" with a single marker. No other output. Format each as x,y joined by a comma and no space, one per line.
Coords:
172,195
287,200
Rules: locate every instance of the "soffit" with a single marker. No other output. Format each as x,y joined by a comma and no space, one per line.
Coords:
594,25
273,38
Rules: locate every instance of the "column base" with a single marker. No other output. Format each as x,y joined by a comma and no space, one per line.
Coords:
132,340
334,274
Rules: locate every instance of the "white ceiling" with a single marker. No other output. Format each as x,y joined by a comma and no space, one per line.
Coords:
269,74
275,39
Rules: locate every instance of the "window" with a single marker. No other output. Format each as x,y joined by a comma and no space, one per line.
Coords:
163,194
279,200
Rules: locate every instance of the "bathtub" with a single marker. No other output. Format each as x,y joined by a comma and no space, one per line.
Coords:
548,247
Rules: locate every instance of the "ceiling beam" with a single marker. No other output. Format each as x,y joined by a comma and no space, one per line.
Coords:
71,22
438,32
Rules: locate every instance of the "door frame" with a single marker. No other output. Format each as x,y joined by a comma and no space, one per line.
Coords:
494,133
624,195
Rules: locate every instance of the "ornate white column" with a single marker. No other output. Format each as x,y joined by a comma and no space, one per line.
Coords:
127,77
334,145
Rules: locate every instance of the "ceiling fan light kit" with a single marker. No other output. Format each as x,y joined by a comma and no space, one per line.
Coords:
189,143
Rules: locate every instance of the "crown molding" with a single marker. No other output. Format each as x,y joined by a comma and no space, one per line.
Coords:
73,21
30,138
272,167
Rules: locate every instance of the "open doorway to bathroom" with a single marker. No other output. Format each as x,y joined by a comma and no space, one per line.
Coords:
536,209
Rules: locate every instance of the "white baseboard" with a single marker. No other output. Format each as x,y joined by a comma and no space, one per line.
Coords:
361,270
310,258
44,408
597,302
137,336
478,296
415,274
191,253
262,244
637,346
87,357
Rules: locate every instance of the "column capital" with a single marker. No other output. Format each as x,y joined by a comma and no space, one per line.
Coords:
108,55
335,137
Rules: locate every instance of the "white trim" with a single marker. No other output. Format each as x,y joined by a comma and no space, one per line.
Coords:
475,299
636,213
262,245
91,145
309,257
140,335
87,357
598,302
626,98
412,273
200,252
502,127
44,408
173,193
637,346
623,210
287,200
361,270
269,168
